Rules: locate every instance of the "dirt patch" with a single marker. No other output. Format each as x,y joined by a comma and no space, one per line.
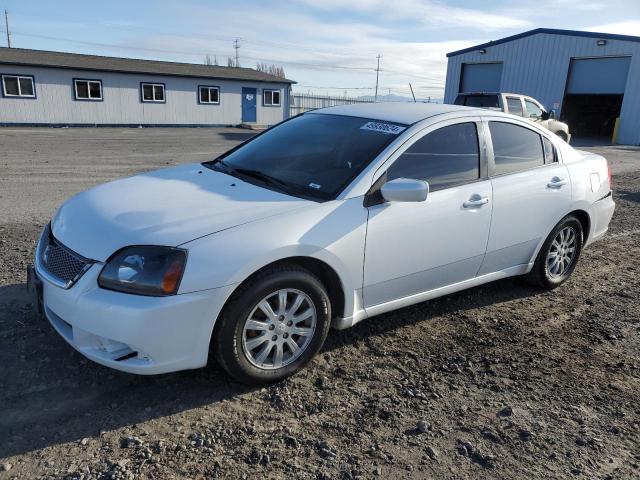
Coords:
501,381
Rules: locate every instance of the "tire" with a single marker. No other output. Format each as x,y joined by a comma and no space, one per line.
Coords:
241,351
549,274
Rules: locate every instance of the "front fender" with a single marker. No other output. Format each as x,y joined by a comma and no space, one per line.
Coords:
332,232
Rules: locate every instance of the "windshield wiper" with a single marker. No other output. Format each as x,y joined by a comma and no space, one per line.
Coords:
263,177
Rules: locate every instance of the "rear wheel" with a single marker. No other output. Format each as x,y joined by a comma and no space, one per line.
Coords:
559,254
273,325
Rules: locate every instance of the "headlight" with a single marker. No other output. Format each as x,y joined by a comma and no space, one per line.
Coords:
144,270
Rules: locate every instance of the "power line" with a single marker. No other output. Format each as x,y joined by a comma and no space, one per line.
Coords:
199,54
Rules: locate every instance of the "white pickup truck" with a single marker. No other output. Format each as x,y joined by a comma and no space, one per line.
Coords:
516,104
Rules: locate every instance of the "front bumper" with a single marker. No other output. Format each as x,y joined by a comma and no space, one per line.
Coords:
133,333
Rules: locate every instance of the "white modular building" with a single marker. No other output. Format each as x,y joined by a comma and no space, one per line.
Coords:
42,88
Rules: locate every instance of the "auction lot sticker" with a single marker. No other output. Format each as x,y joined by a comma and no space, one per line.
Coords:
383,127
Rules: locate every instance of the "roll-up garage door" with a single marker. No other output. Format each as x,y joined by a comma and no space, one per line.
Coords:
601,76
481,77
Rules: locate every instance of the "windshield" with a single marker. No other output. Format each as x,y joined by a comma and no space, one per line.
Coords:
313,155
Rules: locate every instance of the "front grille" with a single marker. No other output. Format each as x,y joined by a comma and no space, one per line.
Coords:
62,264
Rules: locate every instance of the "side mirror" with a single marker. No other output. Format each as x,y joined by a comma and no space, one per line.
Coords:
405,190
545,116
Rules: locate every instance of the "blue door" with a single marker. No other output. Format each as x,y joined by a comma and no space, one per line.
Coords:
249,104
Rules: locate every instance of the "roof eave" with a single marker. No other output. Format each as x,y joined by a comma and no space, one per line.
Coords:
550,31
141,72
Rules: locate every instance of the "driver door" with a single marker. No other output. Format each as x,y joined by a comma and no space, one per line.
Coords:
414,247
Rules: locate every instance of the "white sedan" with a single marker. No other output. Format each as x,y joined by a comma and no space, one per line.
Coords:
328,218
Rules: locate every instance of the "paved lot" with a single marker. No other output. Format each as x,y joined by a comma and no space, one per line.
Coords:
510,382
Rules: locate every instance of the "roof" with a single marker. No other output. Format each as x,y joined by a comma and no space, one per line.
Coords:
550,31
405,113
43,58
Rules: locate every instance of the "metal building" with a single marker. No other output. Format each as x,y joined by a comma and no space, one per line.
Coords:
54,88
588,79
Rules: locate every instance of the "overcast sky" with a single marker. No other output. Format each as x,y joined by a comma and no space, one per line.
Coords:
327,46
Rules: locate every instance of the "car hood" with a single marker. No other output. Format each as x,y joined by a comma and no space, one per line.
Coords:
164,207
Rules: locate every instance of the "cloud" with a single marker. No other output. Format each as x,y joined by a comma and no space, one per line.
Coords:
630,27
426,12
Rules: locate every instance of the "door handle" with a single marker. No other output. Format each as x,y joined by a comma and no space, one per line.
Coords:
557,182
475,201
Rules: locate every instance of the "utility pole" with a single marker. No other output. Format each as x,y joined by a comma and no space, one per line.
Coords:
6,23
377,74
412,94
236,45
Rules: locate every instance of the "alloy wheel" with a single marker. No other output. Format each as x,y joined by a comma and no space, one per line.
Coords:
279,329
562,252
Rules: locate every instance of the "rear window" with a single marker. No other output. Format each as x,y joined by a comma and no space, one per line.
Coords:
481,101
515,148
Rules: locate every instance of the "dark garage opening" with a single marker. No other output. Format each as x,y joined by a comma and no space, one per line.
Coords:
591,115
594,93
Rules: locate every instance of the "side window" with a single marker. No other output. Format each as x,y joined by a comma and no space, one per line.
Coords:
533,110
515,148
549,151
445,157
515,106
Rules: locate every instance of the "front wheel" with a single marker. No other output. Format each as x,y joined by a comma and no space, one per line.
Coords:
273,325
559,254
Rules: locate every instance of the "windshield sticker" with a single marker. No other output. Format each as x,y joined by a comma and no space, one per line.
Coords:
383,127
314,185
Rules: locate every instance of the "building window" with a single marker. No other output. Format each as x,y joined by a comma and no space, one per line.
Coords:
209,95
153,92
88,89
271,98
22,86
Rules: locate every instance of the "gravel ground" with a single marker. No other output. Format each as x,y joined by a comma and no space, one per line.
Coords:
501,381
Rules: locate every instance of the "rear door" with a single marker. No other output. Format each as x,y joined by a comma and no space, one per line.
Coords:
531,193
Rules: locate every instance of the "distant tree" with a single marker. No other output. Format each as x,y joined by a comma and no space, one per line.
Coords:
208,60
271,69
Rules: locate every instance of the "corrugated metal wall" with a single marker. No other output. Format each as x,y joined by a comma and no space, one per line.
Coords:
55,102
538,66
